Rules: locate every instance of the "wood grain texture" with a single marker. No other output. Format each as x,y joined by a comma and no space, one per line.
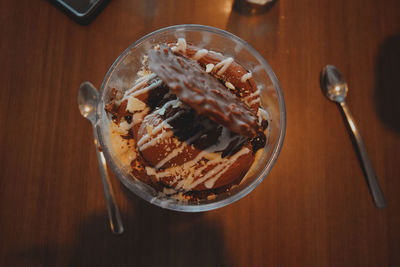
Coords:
314,209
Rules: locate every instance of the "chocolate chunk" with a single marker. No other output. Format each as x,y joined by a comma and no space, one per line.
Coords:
203,92
117,111
258,142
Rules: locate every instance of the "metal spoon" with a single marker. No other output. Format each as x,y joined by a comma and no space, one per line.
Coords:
335,88
87,102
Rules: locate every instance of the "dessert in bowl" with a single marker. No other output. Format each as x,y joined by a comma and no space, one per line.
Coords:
191,118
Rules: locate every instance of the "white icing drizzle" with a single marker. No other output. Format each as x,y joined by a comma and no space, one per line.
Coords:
145,138
200,53
152,171
146,89
262,115
229,85
187,172
255,94
220,145
162,110
224,65
180,46
140,82
163,135
144,77
245,77
252,99
221,165
175,152
222,168
209,67
254,102
144,142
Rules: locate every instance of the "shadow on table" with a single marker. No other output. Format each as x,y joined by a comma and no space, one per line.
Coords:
387,87
152,237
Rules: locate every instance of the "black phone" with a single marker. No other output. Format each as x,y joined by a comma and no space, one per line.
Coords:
82,11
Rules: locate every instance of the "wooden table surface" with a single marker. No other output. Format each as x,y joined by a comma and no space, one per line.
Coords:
314,209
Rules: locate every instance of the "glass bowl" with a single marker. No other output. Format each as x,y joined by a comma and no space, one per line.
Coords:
123,73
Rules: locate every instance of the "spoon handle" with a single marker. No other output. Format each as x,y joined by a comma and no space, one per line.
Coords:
372,181
114,215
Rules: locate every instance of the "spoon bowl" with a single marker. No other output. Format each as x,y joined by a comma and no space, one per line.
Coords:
87,101
333,84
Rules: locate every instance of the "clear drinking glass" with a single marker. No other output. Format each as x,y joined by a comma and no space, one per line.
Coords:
123,73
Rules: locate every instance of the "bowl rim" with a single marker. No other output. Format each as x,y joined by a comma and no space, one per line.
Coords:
178,206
